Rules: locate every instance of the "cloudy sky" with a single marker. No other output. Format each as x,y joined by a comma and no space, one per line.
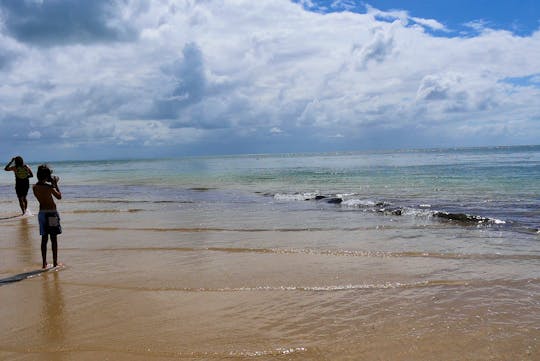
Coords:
139,78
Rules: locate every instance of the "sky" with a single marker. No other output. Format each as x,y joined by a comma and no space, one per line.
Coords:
165,78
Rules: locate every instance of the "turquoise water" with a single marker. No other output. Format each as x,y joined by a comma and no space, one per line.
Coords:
502,183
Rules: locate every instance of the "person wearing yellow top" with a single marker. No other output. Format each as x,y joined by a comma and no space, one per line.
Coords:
23,173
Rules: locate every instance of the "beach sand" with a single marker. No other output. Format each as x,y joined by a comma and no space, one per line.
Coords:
134,288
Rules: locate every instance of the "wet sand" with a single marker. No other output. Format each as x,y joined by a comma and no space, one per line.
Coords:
141,286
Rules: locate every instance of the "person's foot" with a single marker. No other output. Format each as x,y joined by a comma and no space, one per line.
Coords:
44,266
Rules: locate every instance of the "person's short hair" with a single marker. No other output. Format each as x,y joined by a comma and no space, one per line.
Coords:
44,172
19,162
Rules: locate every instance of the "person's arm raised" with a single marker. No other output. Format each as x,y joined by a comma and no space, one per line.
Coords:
55,190
8,167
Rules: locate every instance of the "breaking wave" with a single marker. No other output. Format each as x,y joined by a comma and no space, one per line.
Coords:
352,201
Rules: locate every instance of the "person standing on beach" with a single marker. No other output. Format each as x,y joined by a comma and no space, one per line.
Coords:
23,173
49,220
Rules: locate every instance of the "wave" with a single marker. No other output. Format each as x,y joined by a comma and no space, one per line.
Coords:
251,230
86,211
358,203
127,201
326,288
282,351
422,210
296,196
211,229
146,353
330,252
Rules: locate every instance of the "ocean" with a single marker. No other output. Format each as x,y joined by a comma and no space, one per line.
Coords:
392,255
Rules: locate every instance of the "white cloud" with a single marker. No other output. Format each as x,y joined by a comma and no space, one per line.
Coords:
478,25
34,135
201,71
430,23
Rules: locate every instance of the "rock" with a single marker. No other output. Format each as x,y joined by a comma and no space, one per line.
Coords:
461,217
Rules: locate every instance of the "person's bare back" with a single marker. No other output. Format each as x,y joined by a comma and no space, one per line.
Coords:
44,194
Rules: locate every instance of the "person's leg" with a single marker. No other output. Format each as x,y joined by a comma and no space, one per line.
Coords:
21,204
25,204
44,250
54,245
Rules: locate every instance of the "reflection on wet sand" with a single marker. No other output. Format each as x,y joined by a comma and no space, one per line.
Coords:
53,319
25,249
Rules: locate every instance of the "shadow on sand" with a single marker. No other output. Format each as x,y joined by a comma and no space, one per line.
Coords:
26,275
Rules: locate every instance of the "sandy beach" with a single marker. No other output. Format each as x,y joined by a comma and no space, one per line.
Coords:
135,287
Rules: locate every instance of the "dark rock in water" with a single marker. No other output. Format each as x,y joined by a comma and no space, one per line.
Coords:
317,198
334,200
201,189
461,217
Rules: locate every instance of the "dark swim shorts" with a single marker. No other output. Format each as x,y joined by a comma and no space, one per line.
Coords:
21,187
49,223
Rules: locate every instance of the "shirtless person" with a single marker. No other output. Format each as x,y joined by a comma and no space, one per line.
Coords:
49,221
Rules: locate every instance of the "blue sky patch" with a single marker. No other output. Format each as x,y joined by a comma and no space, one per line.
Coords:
524,81
460,17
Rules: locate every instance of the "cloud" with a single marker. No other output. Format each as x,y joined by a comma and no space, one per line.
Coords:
34,134
191,83
438,87
379,47
478,25
10,51
430,23
6,58
61,22
242,76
